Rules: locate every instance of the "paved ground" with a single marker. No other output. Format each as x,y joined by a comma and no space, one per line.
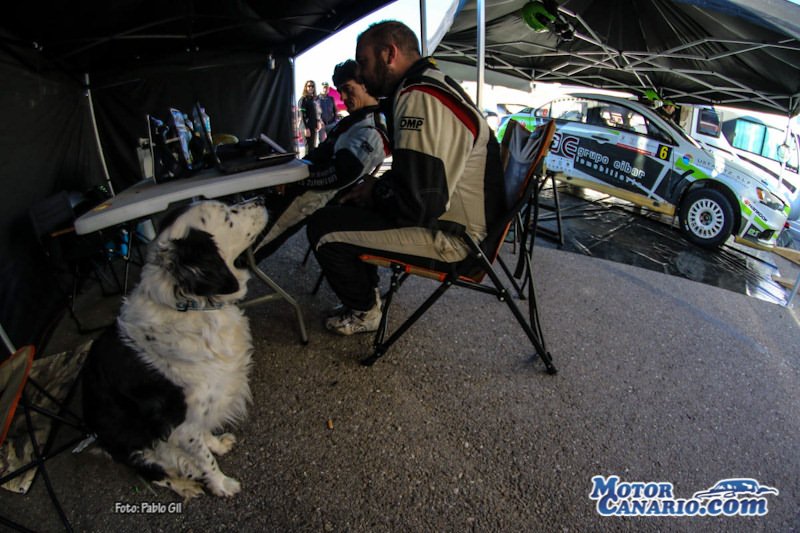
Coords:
660,379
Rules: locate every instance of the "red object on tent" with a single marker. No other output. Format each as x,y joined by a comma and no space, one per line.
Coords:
337,99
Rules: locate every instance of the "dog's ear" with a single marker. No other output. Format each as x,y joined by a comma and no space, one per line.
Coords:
197,266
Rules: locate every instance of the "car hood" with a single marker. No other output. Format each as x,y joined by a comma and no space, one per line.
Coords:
737,164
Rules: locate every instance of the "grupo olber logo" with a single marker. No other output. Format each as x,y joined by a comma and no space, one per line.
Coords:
727,497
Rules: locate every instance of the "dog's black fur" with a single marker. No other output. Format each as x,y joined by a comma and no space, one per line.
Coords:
173,370
127,403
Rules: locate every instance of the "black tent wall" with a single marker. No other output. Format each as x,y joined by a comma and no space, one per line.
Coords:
47,144
244,95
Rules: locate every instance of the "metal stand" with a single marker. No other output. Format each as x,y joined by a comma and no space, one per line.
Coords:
278,293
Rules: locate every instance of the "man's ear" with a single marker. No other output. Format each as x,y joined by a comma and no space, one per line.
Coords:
390,52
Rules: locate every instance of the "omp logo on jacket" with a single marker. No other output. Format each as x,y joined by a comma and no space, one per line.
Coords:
411,123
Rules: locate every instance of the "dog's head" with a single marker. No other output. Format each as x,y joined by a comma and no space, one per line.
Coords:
192,259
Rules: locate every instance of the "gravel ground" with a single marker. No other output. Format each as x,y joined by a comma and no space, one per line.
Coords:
457,429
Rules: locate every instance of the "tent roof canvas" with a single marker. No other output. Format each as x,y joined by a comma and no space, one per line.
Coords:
735,53
104,35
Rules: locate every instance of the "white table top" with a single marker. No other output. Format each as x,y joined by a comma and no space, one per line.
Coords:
147,198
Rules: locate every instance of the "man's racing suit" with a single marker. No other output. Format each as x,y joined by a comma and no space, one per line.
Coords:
355,146
446,174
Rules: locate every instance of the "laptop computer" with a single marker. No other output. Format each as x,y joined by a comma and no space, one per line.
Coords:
244,155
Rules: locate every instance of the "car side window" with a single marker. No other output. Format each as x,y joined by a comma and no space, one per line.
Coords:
607,115
636,122
542,112
620,118
571,110
658,134
594,114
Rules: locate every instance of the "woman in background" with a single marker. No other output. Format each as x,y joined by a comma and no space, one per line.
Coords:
309,115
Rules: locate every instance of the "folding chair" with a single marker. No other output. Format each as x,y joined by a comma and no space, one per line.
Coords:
71,258
16,396
524,153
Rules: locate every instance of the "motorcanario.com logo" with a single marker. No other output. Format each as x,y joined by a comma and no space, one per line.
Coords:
727,497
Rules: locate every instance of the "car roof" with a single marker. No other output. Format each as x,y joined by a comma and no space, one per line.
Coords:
611,99
629,102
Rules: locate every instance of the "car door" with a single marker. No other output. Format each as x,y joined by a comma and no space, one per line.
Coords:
622,148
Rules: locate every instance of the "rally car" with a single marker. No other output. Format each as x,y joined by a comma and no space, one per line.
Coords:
626,149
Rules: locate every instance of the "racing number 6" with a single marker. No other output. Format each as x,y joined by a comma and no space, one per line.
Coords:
664,152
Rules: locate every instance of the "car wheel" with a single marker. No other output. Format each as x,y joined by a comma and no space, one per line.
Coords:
706,217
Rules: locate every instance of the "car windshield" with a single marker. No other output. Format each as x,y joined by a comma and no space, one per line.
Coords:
683,135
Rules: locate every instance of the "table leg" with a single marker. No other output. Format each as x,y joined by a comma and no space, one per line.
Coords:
278,294
794,291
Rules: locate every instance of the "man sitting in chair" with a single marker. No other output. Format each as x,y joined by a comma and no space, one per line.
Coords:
446,177
355,146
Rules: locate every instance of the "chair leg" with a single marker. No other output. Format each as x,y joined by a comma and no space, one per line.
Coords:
308,254
538,343
519,268
41,456
394,284
377,341
558,211
535,336
43,453
64,415
379,345
318,283
16,526
320,278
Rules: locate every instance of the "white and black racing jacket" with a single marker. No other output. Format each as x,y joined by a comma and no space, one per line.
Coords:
354,147
446,171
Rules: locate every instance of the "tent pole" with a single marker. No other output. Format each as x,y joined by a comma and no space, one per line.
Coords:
481,22
423,28
97,135
6,340
293,104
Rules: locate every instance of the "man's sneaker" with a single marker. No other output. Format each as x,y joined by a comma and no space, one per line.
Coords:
340,308
350,321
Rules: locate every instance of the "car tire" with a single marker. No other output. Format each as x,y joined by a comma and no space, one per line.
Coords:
706,217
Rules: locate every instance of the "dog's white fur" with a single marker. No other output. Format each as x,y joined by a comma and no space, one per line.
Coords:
206,350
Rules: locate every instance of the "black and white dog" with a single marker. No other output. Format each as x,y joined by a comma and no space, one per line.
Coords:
174,369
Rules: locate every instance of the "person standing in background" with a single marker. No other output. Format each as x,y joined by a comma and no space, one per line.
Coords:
669,111
309,115
341,108
327,107
354,148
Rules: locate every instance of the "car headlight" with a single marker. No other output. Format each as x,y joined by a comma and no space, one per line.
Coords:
770,199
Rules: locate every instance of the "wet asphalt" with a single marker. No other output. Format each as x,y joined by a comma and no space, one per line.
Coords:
660,379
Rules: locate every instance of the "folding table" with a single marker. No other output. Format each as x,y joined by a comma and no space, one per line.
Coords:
147,198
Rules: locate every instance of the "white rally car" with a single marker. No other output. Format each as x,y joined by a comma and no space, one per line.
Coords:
628,150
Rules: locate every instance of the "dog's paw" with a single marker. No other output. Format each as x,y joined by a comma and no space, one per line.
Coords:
222,444
225,486
185,488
